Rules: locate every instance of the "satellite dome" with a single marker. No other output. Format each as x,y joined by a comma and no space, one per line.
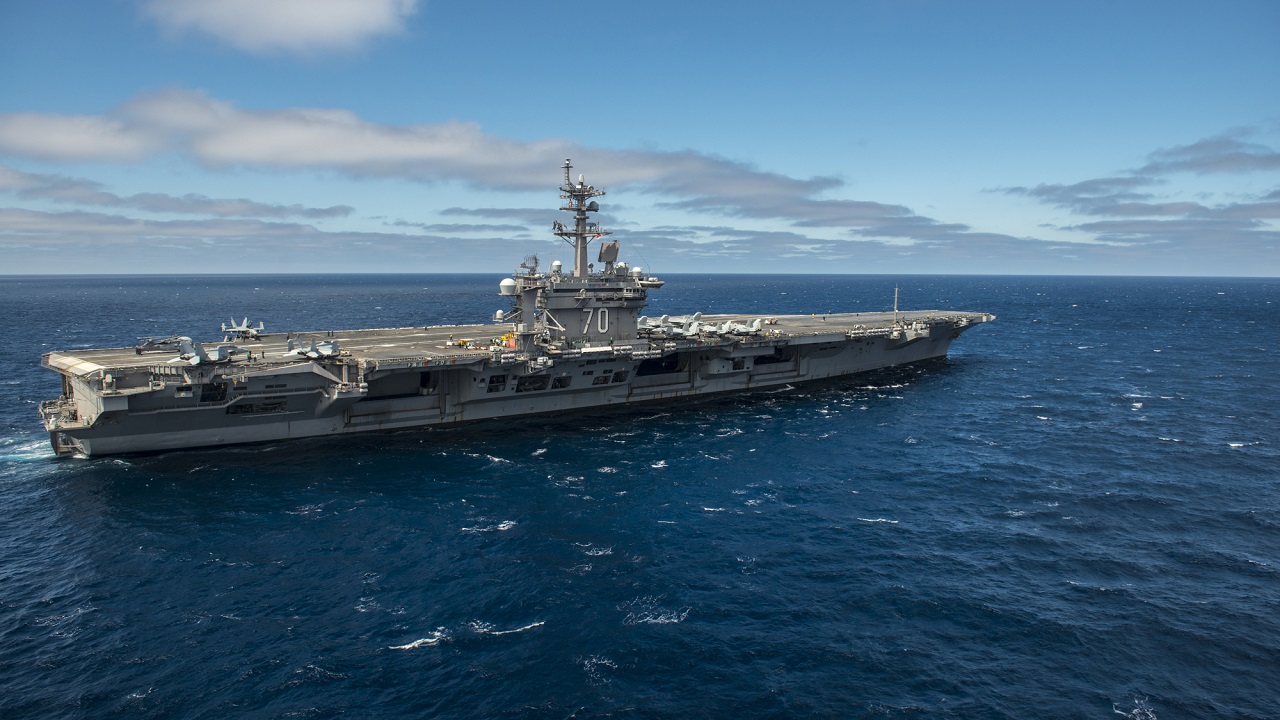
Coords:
507,287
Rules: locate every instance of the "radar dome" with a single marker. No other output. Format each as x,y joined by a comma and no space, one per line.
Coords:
507,287
556,265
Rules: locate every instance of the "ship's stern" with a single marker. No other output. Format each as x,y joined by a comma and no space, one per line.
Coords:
61,418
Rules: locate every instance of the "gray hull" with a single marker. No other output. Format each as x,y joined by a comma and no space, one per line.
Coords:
302,400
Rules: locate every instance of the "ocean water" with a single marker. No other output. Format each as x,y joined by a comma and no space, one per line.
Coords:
1076,515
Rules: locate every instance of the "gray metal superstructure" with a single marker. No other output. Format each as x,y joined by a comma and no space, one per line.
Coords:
572,340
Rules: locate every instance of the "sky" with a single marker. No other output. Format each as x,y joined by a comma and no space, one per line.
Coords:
855,136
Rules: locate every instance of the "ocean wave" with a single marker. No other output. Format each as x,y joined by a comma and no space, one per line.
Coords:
646,610
434,638
594,664
23,449
483,628
500,527
1141,710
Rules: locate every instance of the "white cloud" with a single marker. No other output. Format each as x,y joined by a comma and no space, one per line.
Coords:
216,133
69,190
291,26
75,137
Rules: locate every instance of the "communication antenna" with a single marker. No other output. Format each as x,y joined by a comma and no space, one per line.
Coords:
578,201
895,303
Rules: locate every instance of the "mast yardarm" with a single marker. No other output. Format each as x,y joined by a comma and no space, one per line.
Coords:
579,202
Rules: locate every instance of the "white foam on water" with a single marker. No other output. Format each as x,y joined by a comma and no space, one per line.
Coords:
1141,710
483,628
538,452
878,520
433,639
711,509
500,527
669,617
593,664
18,451
659,465
1244,444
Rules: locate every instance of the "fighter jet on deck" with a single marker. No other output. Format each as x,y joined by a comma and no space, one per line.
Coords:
326,348
193,353
241,331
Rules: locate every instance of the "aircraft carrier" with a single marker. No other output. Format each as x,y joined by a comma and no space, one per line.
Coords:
572,340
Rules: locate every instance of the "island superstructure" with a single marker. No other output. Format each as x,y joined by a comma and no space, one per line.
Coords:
572,340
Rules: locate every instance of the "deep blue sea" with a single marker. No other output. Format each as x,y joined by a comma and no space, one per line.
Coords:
1076,515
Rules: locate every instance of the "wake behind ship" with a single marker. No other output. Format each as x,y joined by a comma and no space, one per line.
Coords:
571,341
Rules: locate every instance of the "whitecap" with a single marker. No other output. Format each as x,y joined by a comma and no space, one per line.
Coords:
665,618
484,628
647,611
502,526
433,639
591,665
1141,710
879,520
659,465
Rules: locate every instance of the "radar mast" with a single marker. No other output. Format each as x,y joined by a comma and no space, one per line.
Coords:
578,201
